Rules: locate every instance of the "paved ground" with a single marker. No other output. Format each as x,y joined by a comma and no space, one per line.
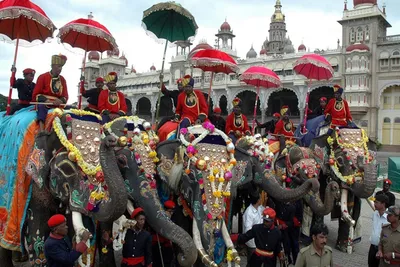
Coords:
359,258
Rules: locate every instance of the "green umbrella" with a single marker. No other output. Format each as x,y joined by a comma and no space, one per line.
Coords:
172,22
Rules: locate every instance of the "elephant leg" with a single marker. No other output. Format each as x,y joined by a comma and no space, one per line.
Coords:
105,244
6,257
344,226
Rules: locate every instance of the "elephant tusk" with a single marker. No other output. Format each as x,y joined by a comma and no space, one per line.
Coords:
79,228
344,208
371,204
205,258
229,243
130,207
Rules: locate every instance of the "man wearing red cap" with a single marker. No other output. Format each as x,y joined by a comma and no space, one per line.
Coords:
217,120
25,88
58,249
111,102
136,251
92,96
337,111
284,127
268,241
191,106
236,123
269,126
320,110
385,190
51,89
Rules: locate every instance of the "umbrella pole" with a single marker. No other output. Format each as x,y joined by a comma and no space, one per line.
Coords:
209,89
304,130
12,79
161,82
82,87
255,111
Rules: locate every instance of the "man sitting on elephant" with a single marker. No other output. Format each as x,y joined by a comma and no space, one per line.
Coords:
191,106
284,127
337,111
236,123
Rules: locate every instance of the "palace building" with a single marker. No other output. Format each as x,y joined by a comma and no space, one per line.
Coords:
366,64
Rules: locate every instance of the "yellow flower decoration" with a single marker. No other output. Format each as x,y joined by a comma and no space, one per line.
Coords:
229,256
215,171
152,154
86,168
104,250
217,194
226,194
211,178
215,205
221,180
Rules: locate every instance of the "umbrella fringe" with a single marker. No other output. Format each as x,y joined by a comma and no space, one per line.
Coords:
212,62
317,63
259,76
15,12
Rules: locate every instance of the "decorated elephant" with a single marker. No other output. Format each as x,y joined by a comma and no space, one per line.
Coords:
67,169
349,159
204,169
137,159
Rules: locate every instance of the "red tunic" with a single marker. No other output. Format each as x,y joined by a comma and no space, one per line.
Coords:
113,103
339,111
44,87
286,129
191,107
239,123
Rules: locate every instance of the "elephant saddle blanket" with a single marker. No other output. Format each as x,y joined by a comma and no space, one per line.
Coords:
16,143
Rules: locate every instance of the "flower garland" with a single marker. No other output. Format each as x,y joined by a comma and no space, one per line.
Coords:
219,172
349,179
148,139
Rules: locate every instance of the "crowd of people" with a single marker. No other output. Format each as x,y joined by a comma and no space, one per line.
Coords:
269,234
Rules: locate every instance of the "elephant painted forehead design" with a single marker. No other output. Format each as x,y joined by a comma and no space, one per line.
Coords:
86,136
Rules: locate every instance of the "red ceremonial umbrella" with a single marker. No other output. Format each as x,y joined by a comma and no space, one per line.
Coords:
313,67
88,35
215,61
23,20
260,77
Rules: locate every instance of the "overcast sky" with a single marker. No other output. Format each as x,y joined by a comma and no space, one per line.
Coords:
312,21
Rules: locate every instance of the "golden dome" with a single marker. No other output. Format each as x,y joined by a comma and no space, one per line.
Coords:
278,17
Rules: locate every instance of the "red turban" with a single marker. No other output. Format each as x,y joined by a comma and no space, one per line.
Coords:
217,110
387,181
28,71
56,220
269,214
136,212
323,99
99,80
276,115
169,204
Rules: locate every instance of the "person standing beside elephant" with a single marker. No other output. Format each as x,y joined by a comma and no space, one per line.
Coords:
267,238
236,123
92,96
379,218
385,190
337,111
318,253
252,216
50,89
191,106
58,249
389,245
25,88
136,251
111,103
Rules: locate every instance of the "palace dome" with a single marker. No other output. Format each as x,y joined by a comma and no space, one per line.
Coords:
358,46
362,2
225,26
94,55
302,47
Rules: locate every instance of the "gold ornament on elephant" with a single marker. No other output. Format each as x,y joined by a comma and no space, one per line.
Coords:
86,138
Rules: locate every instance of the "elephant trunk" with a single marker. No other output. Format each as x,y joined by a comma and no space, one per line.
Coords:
118,197
147,198
269,184
367,187
313,200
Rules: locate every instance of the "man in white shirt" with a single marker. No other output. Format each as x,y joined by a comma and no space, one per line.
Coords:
378,219
252,216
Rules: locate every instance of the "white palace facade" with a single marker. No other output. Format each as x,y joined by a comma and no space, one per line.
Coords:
366,64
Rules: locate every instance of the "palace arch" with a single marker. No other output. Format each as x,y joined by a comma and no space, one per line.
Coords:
143,108
248,101
279,98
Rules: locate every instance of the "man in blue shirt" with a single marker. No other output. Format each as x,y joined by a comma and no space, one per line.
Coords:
58,248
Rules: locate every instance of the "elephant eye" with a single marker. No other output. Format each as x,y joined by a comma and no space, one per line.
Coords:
122,161
340,161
